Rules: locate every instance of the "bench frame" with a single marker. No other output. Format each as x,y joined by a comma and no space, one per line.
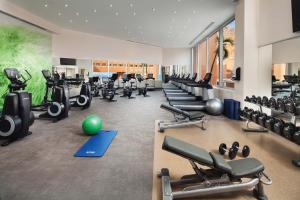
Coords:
181,120
208,182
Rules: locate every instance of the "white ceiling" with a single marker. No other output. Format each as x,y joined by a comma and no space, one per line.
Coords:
165,23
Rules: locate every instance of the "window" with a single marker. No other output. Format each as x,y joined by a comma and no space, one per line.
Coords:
229,53
213,59
222,67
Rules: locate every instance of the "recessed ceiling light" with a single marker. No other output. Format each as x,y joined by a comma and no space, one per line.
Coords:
110,5
117,14
194,11
77,13
59,14
71,21
131,5
95,10
134,13
86,21
66,5
46,5
178,0
175,12
153,9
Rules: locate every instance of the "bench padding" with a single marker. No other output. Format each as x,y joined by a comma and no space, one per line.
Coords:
248,167
187,150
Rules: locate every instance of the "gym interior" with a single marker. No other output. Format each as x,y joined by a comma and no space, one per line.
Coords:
149,99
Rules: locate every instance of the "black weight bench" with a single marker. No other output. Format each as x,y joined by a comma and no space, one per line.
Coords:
182,118
219,176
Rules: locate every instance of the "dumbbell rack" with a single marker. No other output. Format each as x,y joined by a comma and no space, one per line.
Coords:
293,120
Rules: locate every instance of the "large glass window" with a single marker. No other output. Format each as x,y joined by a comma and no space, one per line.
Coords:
229,53
213,58
202,48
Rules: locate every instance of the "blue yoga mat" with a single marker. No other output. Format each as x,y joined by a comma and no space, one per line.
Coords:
97,145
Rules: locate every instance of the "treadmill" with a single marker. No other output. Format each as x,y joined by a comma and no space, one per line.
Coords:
197,105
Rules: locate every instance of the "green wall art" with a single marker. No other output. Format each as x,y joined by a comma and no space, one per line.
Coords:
24,47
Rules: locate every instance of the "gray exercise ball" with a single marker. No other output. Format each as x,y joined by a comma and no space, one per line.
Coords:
214,107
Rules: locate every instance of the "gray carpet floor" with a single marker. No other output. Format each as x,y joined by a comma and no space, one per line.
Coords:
42,165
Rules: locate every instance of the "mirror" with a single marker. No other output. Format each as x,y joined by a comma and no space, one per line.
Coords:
285,79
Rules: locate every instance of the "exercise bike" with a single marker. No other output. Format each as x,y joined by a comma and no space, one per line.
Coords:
127,86
108,90
142,90
16,117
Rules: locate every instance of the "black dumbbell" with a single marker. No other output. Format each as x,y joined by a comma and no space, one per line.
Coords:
259,100
243,112
265,101
270,121
247,99
254,116
262,119
289,131
278,126
248,113
253,99
273,103
296,137
223,149
290,106
245,150
282,103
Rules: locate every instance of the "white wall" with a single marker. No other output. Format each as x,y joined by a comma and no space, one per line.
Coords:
287,51
177,56
16,11
275,21
83,45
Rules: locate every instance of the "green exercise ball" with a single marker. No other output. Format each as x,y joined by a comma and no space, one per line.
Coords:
92,124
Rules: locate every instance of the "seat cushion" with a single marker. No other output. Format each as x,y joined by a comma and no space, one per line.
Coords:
248,167
187,150
220,163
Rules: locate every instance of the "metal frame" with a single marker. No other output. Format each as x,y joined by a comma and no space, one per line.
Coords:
208,182
181,121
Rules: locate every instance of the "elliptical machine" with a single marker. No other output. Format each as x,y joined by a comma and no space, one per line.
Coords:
95,88
55,109
127,86
84,99
108,90
16,117
142,90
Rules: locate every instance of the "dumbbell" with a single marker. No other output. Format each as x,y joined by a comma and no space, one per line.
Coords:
245,150
259,100
269,124
265,101
292,106
296,137
254,116
273,103
223,149
247,99
243,112
248,113
253,99
281,102
289,131
262,119
278,126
